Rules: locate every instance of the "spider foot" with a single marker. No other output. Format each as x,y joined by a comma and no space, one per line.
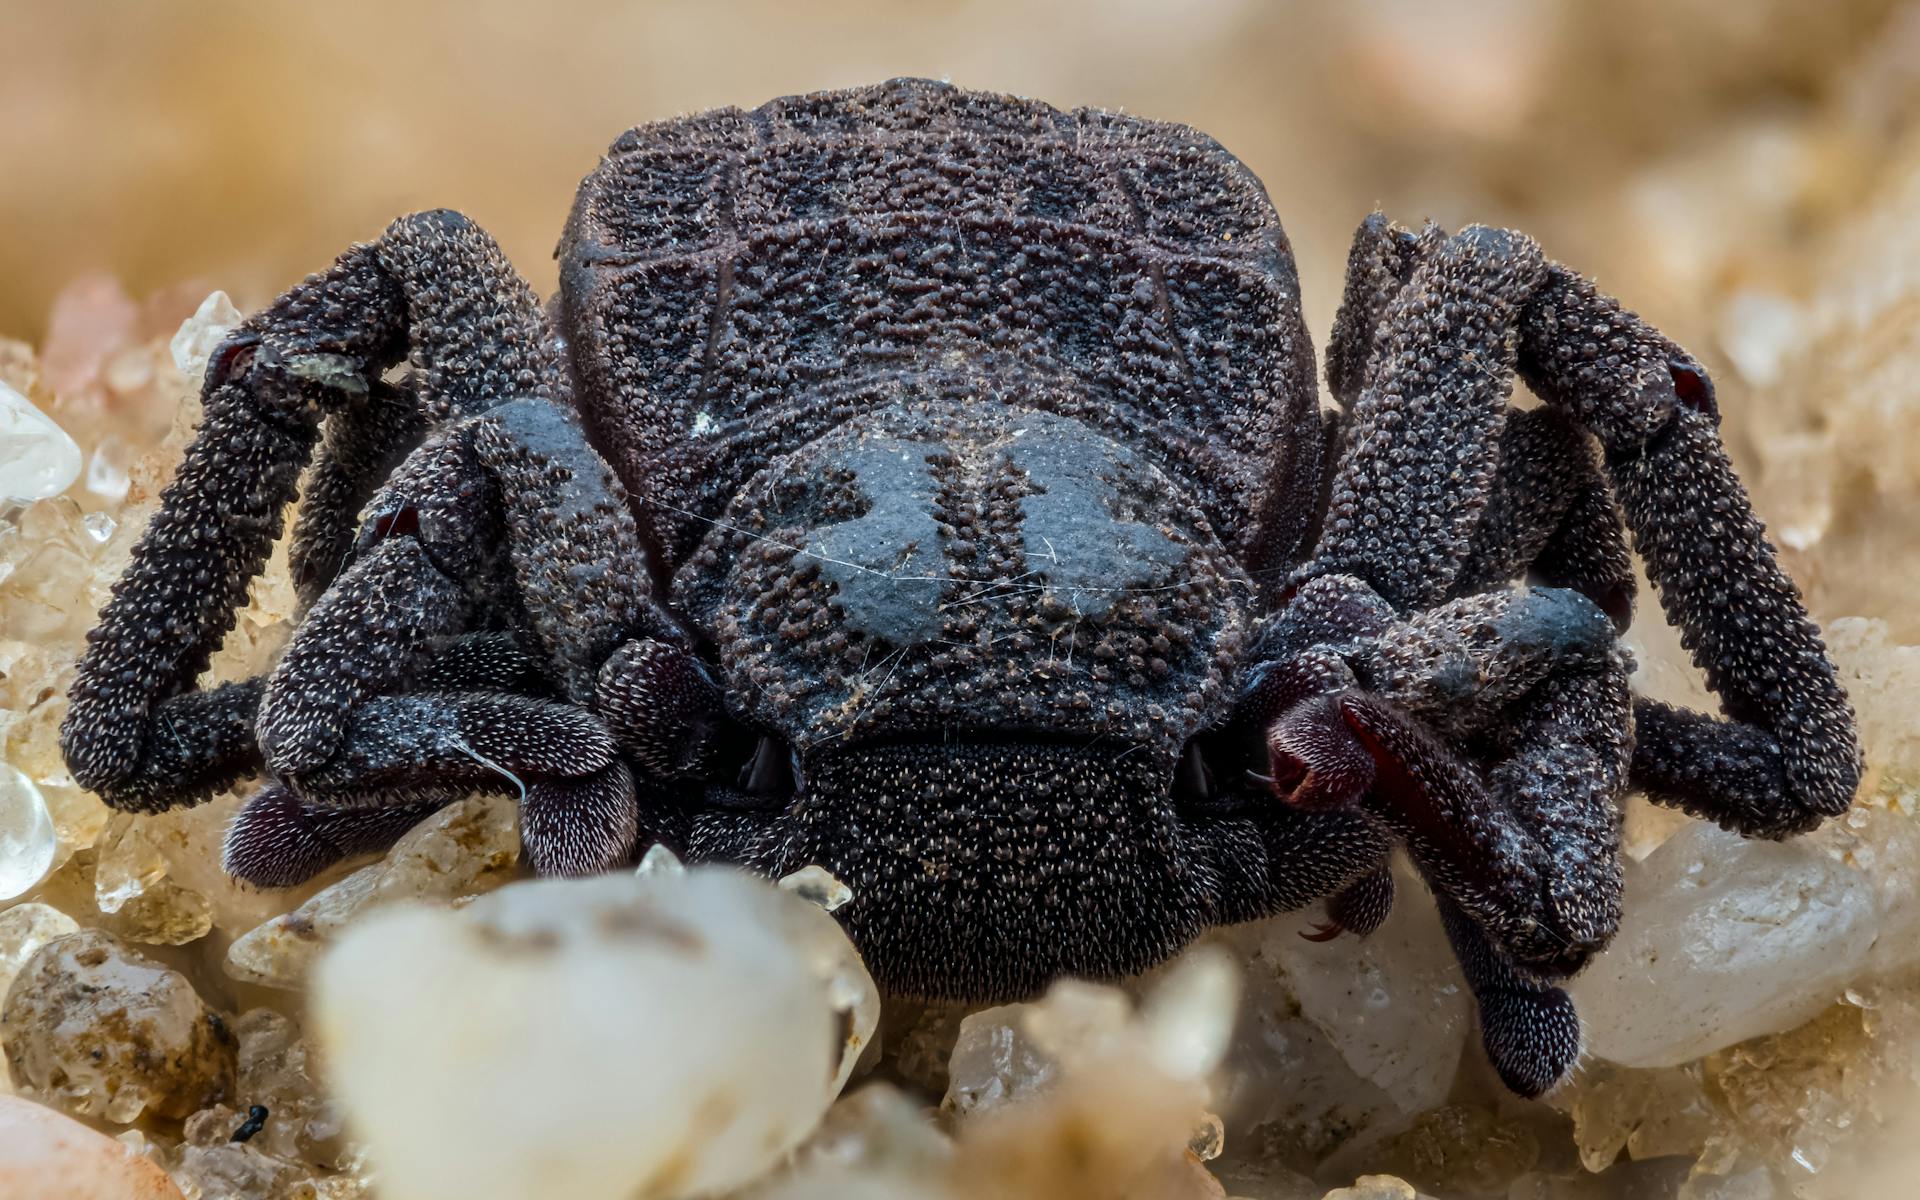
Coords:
1470,844
1532,1038
278,840
1529,1028
572,827
1362,906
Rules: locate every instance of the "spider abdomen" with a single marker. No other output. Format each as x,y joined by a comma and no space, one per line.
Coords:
732,281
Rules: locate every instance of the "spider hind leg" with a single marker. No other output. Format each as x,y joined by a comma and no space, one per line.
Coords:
1787,756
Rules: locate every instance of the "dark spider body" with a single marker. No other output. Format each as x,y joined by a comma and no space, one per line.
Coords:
932,485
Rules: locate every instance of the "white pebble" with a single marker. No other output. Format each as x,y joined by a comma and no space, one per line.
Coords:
45,1155
1724,939
665,1035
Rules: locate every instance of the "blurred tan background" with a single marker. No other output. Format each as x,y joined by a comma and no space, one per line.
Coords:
245,143
1744,172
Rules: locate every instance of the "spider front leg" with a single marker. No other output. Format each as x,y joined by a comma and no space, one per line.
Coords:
508,513
1489,736
435,287
1788,757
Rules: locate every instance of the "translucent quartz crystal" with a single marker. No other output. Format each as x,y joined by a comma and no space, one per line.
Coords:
1341,1043
994,1061
210,1163
278,1069
663,1035
1461,1150
45,1154
462,850
173,859
201,334
1289,1095
1645,1113
27,840
96,1028
877,1129
1179,1031
817,884
25,928
1392,1003
1376,1187
37,458
1113,1126
131,884
1734,938
109,468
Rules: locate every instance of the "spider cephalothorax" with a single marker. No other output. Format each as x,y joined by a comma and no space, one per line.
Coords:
932,485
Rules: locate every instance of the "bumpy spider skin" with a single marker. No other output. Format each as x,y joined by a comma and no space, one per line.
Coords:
580,826
1551,517
467,737
360,446
960,857
1317,762
209,743
1378,266
1529,1028
1531,684
491,662
1359,908
1412,481
510,511
360,638
1502,781
662,708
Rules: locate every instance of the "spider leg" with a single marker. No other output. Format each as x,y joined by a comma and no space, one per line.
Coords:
1551,518
508,512
1788,755
434,286
359,448
277,839
1277,859
1530,683
1529,1027
1359,908
1418,463
1379,265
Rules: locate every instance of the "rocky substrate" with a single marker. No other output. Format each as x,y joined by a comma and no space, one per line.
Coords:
435,1024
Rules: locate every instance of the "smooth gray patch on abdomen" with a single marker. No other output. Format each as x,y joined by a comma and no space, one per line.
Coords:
1074,539
888,564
